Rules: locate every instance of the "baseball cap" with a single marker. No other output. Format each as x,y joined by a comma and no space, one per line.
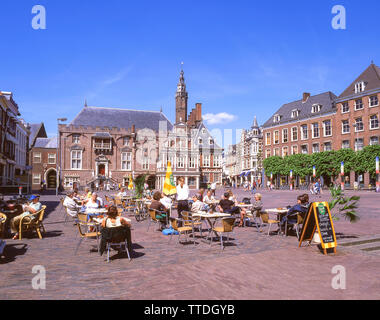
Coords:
33,197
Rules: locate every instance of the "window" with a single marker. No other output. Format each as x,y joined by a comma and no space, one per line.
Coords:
51,158
295,113
276,137
284,135
200,141
276,152
69,181
211,142
359,104
126,161
359,126
145,163
304,133
374,141
359,87
374,122
267,139
206,160
315,127
294,134
327,146
181,161
36,157
359,144
373,101
37,179
277,118
295,150
125,141
345,126
217,161
316,108
267,153
345,107
315,147
192,181
327,128
76,138
192,162
285,151
76,159
346,144
304,149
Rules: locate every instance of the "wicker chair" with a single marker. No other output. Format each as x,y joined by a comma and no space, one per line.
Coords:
180,230
297,225
155,216
228,225
118,242
82,222
28,224
3,219
190,221
266,221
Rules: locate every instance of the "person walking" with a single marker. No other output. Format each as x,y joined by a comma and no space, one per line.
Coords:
182,198
213,189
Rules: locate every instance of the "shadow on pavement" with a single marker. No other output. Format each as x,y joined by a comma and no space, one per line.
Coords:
11,252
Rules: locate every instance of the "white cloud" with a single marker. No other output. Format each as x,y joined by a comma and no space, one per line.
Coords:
219,118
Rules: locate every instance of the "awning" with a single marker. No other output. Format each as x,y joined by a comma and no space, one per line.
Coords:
247,173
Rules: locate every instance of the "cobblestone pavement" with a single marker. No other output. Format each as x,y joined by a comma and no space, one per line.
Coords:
260,267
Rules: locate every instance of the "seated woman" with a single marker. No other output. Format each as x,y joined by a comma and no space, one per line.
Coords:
122,193
209,200
197,204
110,223
302,207
93,202
256,206
158,206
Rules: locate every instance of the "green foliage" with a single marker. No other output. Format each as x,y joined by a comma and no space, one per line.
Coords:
327,163
139,186
365,160
345,206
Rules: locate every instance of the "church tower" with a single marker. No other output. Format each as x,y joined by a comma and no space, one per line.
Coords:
181,98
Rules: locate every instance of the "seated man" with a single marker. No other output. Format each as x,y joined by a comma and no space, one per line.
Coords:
209,201
197,204
302,207
256,207
228,206
33,207
70,204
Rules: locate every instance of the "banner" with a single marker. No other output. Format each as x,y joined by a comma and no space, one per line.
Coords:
342,169
130,185
314,171
169,185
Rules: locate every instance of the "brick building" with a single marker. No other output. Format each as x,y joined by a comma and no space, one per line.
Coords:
357,117
107,145
190,147
325,122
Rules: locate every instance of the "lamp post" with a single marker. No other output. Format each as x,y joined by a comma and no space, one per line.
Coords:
355,125
58,169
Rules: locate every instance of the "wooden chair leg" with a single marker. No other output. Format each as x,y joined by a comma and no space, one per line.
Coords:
39,232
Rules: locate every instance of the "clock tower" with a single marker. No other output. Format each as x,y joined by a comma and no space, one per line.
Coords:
181,98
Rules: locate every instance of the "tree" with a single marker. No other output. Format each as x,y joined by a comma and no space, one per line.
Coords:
365,160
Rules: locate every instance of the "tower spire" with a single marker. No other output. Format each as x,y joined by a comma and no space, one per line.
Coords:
181,98
85,103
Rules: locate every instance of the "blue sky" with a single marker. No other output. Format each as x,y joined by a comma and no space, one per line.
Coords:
243,58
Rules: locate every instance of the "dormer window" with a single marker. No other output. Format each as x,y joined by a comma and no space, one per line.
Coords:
316,108
295,113
211,142
277,118
359,87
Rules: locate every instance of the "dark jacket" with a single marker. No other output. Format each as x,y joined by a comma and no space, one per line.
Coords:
108,234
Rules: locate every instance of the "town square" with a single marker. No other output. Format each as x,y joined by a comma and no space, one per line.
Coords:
192,164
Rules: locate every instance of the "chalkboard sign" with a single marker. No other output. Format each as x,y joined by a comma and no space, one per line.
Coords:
319,217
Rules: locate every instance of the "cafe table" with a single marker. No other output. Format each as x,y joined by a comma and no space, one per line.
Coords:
280,212
211,219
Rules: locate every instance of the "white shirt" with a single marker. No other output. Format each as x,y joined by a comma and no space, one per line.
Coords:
208,200
167,202
182,193
213,186
93,205
71,206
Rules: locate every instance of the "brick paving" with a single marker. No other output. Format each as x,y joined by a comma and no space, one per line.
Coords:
260,267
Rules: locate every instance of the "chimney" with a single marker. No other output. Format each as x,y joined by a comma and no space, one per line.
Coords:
198,116
306,96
